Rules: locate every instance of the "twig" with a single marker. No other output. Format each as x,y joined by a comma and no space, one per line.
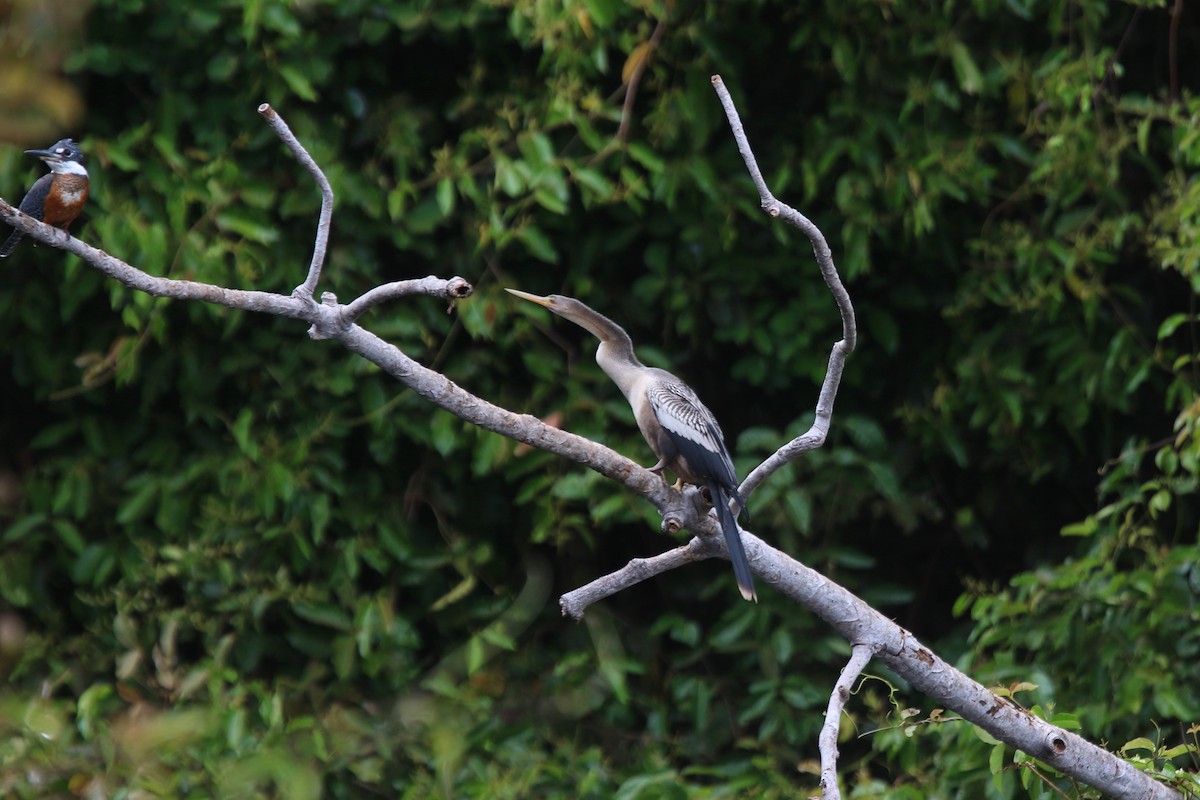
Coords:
827,740
815,436
455,289
305,290
708,543
575,602
636,78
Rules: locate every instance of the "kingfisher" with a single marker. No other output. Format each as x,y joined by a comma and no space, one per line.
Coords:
56,199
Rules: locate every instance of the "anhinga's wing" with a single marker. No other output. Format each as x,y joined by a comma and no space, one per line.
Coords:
693,429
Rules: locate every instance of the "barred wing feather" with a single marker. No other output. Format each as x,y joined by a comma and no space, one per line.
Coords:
693,429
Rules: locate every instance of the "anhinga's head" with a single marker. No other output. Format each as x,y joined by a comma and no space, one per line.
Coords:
62,156
592,321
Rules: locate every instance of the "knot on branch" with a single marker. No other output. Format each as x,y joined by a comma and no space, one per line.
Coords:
678,508
1056,743
458,288
331,322
701,517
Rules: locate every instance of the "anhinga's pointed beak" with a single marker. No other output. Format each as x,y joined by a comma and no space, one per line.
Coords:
533,298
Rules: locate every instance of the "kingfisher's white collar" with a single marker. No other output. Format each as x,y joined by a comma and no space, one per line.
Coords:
66,167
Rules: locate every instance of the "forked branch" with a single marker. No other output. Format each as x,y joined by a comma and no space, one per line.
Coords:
815,436
573,603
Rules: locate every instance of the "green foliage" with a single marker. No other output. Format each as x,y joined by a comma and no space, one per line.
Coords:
239,563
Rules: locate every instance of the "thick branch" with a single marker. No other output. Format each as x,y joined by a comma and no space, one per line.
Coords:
443,392
331,320
898,649
262,302
929,674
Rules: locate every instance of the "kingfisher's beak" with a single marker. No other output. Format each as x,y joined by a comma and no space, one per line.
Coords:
533,298
44,155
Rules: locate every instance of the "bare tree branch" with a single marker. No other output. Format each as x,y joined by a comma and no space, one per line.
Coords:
815,436
305,290
894,646
575,602
827,740
947,686
869,630
262,302
708,542
454,289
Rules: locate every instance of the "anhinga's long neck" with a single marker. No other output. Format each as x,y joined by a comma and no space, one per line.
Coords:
615,354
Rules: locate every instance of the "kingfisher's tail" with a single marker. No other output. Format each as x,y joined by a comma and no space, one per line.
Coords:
12,242
733,540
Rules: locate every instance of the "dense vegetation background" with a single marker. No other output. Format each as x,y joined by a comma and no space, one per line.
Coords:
240,563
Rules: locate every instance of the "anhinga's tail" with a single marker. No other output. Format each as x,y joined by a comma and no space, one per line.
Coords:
733,540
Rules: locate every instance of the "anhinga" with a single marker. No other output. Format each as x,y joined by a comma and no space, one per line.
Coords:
680,430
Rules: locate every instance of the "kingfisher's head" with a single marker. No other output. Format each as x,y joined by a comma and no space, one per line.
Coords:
63,156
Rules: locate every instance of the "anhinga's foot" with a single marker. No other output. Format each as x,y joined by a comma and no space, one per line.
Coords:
658,468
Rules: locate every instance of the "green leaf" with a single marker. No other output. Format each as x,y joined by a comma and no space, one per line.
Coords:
138,505
444,432
243,434
603,12
1087,527
445,196
537,244
969,78
246,224
1172,324
323,614
1140,743
69,535
646,157
550,200
298,82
